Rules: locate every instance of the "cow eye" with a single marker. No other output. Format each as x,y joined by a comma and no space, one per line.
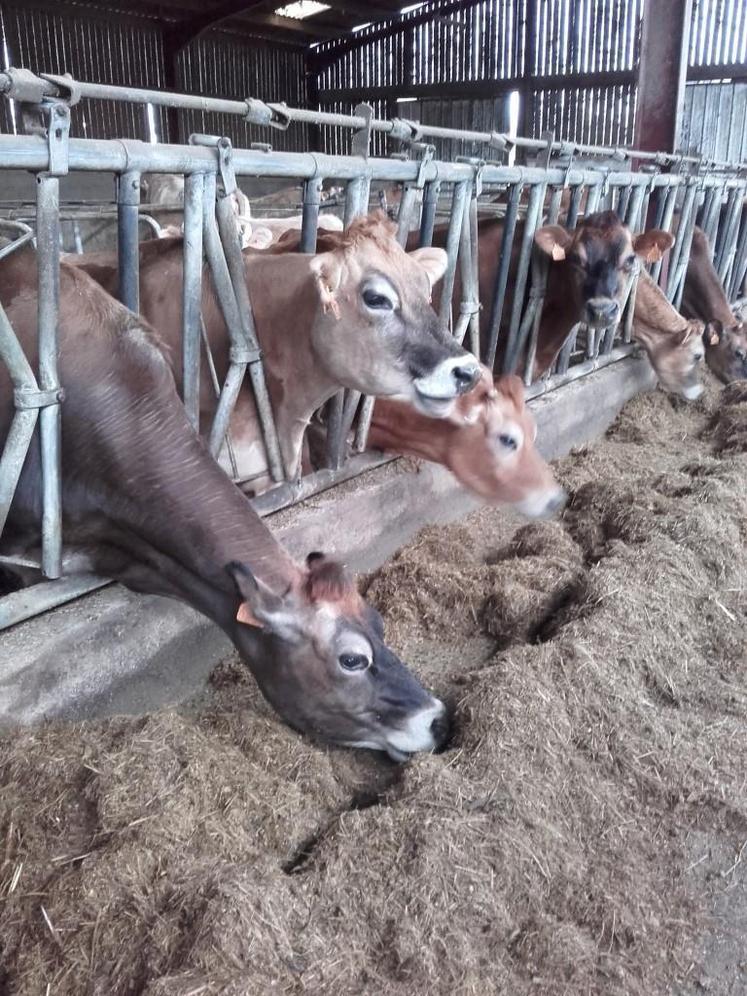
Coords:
353,662
508,442
630,261
377,302
741,354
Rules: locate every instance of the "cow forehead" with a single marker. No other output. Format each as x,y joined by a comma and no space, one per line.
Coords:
603,243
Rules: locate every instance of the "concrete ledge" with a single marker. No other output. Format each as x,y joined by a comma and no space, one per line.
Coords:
114,651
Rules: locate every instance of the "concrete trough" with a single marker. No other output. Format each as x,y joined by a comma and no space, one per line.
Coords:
116,652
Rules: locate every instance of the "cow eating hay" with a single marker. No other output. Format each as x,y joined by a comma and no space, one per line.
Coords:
574,840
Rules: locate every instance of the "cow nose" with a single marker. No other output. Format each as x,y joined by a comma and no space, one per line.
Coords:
465,376
440,730
603,309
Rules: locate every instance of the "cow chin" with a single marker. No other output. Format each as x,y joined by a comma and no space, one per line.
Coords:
432,407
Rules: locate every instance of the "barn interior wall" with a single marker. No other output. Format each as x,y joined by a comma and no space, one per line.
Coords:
126,50
571,65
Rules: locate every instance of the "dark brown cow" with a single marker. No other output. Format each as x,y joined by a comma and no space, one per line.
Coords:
589,269
703,297
144,503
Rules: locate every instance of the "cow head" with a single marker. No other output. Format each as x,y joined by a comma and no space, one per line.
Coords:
726,351
375,330
492,451
600,257
319,657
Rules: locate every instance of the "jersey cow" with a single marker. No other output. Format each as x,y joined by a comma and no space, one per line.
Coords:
487,443
589,269
357,315
144,503
704,297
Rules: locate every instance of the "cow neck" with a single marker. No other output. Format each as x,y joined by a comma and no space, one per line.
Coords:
654,315
285,302
182,518
399,428
703,295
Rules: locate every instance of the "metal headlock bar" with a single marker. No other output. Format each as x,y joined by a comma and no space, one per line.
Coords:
710,195
25,87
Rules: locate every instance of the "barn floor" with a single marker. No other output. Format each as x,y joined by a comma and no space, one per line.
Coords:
584,833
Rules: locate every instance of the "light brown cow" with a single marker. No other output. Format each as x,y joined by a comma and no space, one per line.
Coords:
357,316
703,297
487,443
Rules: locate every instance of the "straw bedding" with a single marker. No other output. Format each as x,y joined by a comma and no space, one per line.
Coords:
575,838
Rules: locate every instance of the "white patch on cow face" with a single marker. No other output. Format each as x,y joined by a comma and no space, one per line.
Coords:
542,503
436,392
417,733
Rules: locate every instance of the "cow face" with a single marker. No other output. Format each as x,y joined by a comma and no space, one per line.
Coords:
492,449
726,351
376,331
600,256
319,657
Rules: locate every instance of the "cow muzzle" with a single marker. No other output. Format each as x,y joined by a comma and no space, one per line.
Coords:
436,392
601,312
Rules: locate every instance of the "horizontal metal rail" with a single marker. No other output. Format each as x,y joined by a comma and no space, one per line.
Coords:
24,86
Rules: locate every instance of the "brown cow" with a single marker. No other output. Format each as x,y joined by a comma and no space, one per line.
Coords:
587,278
357,316
703,297
487,443
144,503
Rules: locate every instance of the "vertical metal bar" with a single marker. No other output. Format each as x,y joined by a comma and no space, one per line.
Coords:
666,225
553,212
128,245
501,280
428,218
192,295
48,263
630,312
312,193
466,273
453,236
356,202
725,252
592,201
572,216
739,269
245,345
404,216
534,208
540,267
633,213
684,233
711,218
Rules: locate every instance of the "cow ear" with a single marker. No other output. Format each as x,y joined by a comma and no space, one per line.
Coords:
433,261
512,387
553,240
327,270
260,607
651,246
713,332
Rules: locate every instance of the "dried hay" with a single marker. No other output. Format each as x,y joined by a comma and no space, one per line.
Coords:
570,841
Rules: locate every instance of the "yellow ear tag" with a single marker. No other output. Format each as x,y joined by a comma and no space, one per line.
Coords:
654,254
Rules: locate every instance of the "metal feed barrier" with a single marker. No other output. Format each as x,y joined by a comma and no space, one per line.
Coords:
710,193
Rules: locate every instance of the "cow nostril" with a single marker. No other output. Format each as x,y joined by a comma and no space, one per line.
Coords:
465,376
440,730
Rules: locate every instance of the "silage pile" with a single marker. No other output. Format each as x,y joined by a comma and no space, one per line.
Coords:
571,840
